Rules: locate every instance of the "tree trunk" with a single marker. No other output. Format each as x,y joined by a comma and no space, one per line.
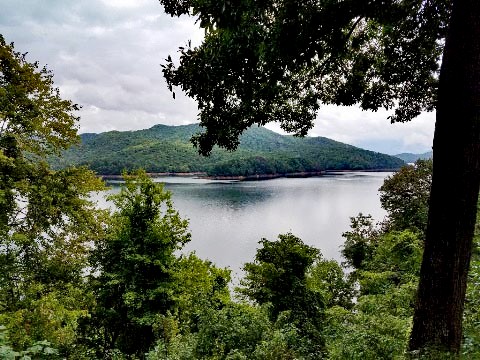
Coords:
437,321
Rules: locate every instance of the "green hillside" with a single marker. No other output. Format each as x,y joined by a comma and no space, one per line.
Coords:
165,148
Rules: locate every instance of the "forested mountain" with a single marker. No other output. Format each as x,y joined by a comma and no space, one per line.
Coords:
165,148
411,158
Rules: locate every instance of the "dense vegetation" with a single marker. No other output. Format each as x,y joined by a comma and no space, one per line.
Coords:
140,298
80,283
168,149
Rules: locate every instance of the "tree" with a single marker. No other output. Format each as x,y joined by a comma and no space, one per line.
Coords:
329,281
279,274
455,186
378,325
278,60
405,196
46,219
199,285
278,277
135,287
360,241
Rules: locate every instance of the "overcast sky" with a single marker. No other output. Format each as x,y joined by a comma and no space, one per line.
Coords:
106,56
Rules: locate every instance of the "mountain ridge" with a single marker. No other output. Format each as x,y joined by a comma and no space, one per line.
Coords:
164,148
411,157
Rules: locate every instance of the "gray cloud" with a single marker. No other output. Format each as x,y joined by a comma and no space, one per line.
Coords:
106,56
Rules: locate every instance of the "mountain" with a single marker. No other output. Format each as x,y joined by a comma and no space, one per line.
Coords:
165,148
411,158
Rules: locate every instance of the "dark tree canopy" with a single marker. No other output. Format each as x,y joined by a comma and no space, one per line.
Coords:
278,60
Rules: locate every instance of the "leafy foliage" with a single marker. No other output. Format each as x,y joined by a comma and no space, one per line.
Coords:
368,336
135,264
234,328
471,343
199,285
46,220
279,277
34,118
236,331
395,262
328,281
385,262
405,195
360,241
39,350
277,60
379,323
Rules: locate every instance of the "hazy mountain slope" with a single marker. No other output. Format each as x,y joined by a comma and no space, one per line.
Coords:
411,158
165,148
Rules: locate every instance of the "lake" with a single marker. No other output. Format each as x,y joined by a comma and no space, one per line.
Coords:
227,219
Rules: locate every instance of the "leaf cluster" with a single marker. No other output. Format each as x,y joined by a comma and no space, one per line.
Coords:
278,60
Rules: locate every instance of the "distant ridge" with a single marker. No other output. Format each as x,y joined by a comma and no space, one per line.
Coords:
167,149
411,158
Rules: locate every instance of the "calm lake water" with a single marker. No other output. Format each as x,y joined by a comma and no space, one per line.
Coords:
227,219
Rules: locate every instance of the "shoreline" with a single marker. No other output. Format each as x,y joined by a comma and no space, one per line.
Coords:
154,175
303,174
204,175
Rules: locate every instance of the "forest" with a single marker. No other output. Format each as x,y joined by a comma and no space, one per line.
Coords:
78,282
167,149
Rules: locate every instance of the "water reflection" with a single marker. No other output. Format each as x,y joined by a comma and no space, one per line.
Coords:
233,195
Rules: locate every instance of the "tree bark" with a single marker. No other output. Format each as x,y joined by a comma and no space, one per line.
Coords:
437,320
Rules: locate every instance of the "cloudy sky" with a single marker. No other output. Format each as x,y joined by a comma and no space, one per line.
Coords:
106,56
